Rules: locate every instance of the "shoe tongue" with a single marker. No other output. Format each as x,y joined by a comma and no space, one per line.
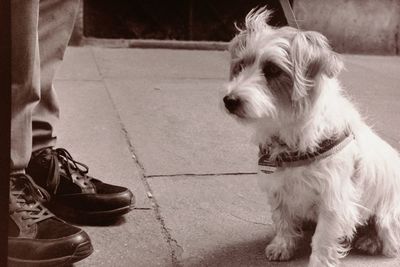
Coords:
63,162
48,155
26,194
43,153
20,185
29,198
30,193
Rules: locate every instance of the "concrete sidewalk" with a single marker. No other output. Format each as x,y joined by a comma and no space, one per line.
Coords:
151,120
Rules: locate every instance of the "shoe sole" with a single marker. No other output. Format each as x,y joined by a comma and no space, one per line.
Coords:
85,217
82,251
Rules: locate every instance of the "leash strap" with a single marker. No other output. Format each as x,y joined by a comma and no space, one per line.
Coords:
289,14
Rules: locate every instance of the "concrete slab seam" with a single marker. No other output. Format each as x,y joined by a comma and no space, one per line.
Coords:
96,63
179,79
81,80
175,249
397,41
198,174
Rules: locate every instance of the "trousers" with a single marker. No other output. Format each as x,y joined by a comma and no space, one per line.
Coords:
40,32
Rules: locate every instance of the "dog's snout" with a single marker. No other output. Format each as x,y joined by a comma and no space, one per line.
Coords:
231,103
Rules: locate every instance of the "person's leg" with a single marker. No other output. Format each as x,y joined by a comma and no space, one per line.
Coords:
56,22
25,75
35,235
75,196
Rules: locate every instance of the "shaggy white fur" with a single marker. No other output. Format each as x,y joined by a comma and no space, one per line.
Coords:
283,83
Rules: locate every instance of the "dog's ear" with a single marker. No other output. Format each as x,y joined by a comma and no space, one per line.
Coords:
312,56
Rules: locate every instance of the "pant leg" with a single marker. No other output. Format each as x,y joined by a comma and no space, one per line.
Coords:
25,79
56,22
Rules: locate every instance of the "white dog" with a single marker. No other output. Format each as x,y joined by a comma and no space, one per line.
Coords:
319,160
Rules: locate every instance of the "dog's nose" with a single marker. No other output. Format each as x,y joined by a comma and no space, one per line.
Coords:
231,103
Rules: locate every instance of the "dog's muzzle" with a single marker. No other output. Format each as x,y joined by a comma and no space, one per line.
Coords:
231,103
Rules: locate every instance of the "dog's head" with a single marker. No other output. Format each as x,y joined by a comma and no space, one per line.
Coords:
274,71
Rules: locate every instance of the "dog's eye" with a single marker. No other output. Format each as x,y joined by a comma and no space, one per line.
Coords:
238,67
271,70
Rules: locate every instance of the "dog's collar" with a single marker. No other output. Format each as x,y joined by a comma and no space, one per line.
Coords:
325,149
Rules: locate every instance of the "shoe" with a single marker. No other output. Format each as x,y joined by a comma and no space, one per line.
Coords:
76,196
35,236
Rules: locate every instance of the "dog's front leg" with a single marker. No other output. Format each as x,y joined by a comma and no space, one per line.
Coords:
328,241
282,246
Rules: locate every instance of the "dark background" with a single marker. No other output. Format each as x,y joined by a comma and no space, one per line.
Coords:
204,20
5,123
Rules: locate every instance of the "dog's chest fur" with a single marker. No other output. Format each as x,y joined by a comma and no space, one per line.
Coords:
293,189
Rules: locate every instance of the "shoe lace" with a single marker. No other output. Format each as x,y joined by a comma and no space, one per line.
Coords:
27,197
61,158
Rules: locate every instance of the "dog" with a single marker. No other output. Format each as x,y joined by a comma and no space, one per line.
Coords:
319,160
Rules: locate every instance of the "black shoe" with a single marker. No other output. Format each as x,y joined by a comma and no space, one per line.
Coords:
35,236
75,196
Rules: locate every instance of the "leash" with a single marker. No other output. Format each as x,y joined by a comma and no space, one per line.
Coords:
289,14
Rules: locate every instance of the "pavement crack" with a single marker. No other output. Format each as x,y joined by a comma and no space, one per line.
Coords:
396,40
249,221
198,174
96,63
175,249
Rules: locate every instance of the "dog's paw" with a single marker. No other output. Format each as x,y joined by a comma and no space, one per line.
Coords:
279,251
369,244
320,260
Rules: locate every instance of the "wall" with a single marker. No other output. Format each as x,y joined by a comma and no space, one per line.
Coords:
354,26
